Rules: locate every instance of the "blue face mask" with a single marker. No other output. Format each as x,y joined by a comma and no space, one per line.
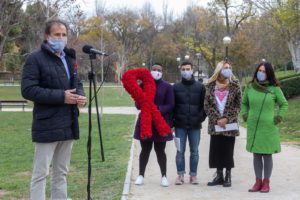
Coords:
186,74
261,76
226,73
57,45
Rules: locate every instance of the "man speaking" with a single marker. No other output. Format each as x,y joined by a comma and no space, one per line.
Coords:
49,79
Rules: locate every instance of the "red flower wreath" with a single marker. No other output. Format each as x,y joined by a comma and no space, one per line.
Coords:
145,99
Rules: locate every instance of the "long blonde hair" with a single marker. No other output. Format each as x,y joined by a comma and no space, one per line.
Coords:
217,72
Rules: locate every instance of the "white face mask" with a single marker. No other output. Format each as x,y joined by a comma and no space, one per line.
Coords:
261,76
226,73
156,75
57,45
186,74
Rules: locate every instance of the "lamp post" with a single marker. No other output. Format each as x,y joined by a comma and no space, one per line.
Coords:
198,59
226,42
178,61
178,67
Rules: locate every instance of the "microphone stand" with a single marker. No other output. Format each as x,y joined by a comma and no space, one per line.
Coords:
92,84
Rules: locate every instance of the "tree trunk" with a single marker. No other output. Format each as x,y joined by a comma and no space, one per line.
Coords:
294,48
2,43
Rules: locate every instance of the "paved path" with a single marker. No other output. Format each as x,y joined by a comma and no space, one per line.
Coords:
285,180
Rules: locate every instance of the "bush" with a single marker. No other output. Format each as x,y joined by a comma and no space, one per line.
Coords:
290,86
288,76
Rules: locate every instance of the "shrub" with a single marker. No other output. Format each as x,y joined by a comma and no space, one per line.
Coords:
287,77
290,86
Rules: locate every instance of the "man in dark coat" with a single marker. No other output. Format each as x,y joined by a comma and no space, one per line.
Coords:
49,79
188,116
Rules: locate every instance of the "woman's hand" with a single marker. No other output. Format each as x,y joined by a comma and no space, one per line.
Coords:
222,122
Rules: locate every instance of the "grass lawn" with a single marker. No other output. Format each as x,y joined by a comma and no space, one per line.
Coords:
112,96
290,128
107,177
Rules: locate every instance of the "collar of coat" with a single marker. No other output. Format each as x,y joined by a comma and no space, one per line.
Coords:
188,82
68,51
262,87
234,83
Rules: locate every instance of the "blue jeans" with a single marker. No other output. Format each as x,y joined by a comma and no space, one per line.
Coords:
193,136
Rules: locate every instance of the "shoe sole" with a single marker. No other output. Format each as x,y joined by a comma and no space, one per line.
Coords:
226,185
214,184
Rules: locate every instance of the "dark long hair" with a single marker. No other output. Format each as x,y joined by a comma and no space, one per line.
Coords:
269,72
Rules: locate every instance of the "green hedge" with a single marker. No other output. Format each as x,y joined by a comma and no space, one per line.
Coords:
288,76
290,86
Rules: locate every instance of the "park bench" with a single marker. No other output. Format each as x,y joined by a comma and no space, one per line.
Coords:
13,103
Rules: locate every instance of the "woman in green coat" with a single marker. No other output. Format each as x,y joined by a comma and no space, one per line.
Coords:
259,101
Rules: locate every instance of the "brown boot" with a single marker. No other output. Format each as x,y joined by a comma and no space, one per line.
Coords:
265,186
257,186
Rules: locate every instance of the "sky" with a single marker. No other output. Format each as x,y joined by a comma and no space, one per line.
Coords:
178,6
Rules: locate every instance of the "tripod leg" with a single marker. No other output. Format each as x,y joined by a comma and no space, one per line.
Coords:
98,119
89,143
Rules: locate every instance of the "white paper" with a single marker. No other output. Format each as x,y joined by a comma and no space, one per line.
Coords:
177,143
228,127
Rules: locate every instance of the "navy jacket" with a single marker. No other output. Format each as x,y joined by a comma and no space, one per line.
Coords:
189,104
164,100
44,80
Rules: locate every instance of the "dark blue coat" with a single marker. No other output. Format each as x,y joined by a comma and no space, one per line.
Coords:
189,104
44,80
164,100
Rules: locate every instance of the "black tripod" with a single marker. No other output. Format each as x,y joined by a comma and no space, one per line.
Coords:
92,84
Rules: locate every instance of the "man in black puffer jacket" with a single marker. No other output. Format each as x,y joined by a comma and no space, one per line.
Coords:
50,80
188,116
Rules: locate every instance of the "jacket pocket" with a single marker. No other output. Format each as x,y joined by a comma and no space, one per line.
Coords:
46,114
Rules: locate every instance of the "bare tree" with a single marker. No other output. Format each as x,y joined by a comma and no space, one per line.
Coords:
285,17
10,13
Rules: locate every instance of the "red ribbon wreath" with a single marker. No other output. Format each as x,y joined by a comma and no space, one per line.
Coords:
145,99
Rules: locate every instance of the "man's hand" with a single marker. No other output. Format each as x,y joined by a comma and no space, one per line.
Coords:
71,97
222,122
81,101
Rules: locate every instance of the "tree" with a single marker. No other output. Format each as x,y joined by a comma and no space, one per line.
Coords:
10,14
285,18
124,26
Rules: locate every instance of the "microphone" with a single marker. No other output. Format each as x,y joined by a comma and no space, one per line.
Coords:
90,50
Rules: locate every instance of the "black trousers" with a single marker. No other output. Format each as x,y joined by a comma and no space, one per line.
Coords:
159,148
221,152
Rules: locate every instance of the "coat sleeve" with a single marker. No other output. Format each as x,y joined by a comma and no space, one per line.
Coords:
79,87
211,113
234,103
202,112
245,104
282,102
238,100
169,103
31,88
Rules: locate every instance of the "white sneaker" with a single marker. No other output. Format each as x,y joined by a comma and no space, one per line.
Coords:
179,180
164,181
139,180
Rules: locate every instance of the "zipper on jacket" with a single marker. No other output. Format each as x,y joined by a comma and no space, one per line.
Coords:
258,121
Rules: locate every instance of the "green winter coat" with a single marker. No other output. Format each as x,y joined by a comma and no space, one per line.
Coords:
258,109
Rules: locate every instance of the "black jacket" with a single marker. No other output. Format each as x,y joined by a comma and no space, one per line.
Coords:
44,80
189,102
